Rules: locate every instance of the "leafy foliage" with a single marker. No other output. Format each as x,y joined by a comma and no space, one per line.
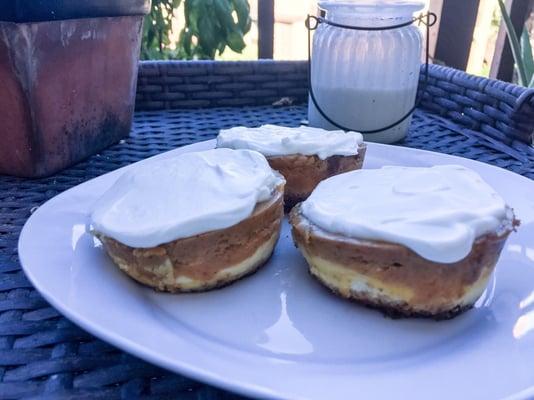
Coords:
210,26
156,29
522,51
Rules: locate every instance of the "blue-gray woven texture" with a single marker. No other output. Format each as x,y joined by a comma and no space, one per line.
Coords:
43,355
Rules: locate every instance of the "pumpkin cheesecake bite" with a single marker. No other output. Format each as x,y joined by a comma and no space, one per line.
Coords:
304,156
410,241
193,222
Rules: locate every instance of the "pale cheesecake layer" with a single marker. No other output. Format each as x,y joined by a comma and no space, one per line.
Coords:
351,284
168,280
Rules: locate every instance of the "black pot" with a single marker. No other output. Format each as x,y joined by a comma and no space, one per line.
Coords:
53,10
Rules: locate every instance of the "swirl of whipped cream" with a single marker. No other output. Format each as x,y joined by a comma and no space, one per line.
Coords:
273,140
437,212
192,193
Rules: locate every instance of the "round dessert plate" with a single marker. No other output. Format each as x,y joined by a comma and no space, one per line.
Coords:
278,333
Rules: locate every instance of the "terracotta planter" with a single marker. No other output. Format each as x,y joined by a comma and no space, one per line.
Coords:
67,87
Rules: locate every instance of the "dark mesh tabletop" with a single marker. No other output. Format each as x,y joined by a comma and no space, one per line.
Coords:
43,355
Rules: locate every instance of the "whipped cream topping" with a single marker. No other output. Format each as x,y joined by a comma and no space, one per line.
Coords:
273,140
437,212
193,193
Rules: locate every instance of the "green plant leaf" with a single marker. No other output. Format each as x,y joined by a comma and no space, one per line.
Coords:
223,11
242,9
514,44
207,38
528,59
223,16
191,12
185,42
210,27
236,42
222,47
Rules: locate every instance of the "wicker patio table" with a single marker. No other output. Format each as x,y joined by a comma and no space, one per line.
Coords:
43,355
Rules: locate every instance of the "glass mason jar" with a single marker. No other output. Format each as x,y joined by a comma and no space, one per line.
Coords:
366,80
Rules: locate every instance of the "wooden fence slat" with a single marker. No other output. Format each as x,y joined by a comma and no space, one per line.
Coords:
265,28
502,65
434,6
458,19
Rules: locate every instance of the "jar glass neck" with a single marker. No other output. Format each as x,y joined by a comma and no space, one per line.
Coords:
367,16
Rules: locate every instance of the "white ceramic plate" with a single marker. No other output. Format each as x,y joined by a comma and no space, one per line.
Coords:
278,333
